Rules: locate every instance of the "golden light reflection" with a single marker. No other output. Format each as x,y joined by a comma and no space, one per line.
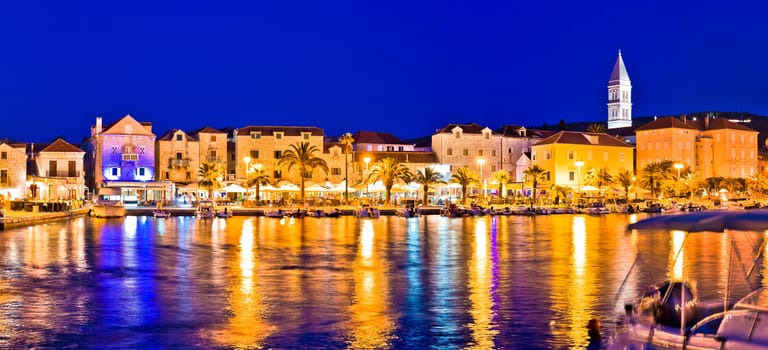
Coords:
371,319
582,280
677,255
480,293
765,261
248,326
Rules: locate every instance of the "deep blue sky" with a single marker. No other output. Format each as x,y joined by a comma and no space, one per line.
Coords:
405,67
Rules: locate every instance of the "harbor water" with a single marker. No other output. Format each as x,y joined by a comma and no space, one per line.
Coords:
507,282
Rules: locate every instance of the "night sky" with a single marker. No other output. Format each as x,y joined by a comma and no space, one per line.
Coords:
404,67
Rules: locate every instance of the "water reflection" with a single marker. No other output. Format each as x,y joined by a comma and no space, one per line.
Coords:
371,323
481,290
254,282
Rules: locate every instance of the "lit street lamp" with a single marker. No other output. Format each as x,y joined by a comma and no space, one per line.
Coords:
481,161
579,164
247,161
367,160
678,166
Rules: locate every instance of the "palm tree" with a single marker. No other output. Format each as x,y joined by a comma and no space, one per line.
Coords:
388,171
598,178
465,177
502,177
302,155
257,177
534,173
427,178
596,128
624,178
209,174
653,174
346,142
712,184
561,192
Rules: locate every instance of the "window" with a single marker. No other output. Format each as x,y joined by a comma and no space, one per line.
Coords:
390,148
548,155
465,152
571,176
457,134
114,149
4,177
533,155
142,171
130,157
305,135
255,135
167,175
179,155
178,137
232,158
546,176
400,148
115,171
570,155
487,136
52,168
493,153
3,155
493,168
278,136
254,154
72,168
449,152
141,150
335,171
213,138
278,154
278,174
479,153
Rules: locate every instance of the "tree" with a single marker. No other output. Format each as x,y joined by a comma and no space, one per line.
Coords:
596,128
302,156
346,142
534,173
652,175
209,174
256,177
388,171
561,192
598,178
427,178
502,177
465,177
624,178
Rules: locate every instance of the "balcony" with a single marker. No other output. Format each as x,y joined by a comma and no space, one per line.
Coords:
55,173
178,163
130,157
212,159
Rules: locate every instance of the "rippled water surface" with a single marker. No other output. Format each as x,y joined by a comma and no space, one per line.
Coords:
254,282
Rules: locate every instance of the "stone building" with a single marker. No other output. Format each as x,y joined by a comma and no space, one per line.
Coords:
709,146
567,156
13,171
262,146
59,171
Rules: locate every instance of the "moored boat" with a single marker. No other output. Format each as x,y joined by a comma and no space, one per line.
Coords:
205,209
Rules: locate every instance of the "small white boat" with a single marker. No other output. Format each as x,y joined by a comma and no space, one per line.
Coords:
224,214
367,211
277,213
108,204
161,213
205,209
598,208
409,209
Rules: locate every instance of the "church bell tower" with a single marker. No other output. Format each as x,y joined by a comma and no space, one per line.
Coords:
619,96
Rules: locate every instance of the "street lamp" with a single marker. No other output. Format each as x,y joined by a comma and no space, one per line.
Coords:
579,164
367,160
480,162
678,166
247,161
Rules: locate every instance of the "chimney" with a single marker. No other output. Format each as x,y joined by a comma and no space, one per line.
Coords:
98,126
685,119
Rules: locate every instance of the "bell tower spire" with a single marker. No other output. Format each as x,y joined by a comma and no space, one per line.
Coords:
619,96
